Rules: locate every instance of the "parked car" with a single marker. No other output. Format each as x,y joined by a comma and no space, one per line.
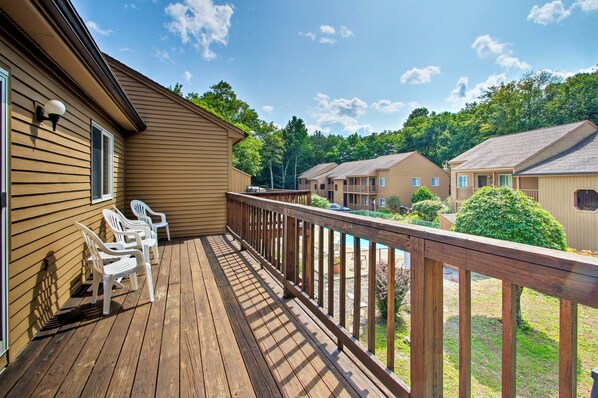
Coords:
337,207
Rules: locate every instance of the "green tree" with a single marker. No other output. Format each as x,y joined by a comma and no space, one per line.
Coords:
177,89
297,147
246,155
394,204
318,201
503,213
428,209
421,193
272,148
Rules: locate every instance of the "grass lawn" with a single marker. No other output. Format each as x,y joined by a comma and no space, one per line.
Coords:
537,342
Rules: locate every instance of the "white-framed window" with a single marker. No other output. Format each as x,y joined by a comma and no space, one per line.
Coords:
462,181
382,181
416,181
102,163
365,200
435,181
4,117
382,202
505,180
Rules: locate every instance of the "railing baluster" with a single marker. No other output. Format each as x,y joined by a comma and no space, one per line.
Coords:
309,261
372,298
568,349
390,311
509,338
304,257
321,266
426,323
342,286
356,286
464,333
290,254
331,272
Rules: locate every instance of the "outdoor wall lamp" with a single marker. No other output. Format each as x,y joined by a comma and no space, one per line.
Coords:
54,108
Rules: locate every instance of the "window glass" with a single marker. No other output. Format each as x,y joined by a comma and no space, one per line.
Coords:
505,180
382,202
416,181
461,181
435,181
102,163
586,199
382,182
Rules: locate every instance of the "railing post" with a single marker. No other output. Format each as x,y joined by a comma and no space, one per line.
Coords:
509,339
426,323
568,349
289,263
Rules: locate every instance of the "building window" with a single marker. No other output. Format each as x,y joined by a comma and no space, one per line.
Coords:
382,202
461,181
336,187
322,186
382,182
416,181
102,163
435,181
365,200
586,199
315,187
505,180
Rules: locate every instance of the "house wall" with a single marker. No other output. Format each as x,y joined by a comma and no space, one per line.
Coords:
50,189
338,193
239,180
398,179
528,182
556,195
180,164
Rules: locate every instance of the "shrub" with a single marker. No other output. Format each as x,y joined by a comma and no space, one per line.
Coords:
318,201
428,209
503,213
394,204
422,193
401,287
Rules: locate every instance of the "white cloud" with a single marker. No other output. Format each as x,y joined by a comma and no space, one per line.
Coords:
327,40
587,5
162,55
419,76
548,13
187,76
125,49
340,111
565,74
268,108
462,94
346,32
327,30
133,6
94,27
591,69
387,106
310,35
200,22
486,46
508,62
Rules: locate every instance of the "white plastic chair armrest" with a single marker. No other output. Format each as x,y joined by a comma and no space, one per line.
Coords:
115,246
155,213
130,233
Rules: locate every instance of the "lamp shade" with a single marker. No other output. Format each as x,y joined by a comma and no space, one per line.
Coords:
55,107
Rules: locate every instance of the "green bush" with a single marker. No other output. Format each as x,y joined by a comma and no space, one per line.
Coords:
422,193
318,201
402,280
503,213
394,204
428,209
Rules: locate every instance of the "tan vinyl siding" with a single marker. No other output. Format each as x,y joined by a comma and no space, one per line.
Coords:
556,195
239,180
50,188
180,164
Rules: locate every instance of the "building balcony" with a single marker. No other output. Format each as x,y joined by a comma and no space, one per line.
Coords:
466,193
306,187
360,188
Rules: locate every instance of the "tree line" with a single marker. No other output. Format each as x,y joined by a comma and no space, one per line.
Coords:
275,156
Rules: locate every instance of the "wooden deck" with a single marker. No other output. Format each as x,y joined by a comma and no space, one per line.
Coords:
217,328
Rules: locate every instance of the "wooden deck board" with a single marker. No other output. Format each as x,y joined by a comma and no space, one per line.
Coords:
214,329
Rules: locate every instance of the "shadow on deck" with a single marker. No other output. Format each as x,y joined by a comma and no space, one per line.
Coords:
217,328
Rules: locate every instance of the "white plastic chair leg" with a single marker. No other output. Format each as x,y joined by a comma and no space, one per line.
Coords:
168,232
149,281
108,280
134,283
95,286
155,250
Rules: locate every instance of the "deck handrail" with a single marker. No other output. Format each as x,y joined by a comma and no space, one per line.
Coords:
281,235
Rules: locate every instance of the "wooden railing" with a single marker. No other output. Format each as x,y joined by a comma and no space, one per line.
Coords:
360,188
288,196
304,187
294,243
465,193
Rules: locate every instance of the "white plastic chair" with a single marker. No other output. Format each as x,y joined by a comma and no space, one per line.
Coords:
136,223
143,212
122,229
108,273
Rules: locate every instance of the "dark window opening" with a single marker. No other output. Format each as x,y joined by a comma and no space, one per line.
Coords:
586,199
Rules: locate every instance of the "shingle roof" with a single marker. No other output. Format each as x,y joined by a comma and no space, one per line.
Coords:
316,171
579,159
366,167
508,151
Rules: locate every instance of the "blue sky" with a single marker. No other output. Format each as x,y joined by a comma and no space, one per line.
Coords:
345,66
